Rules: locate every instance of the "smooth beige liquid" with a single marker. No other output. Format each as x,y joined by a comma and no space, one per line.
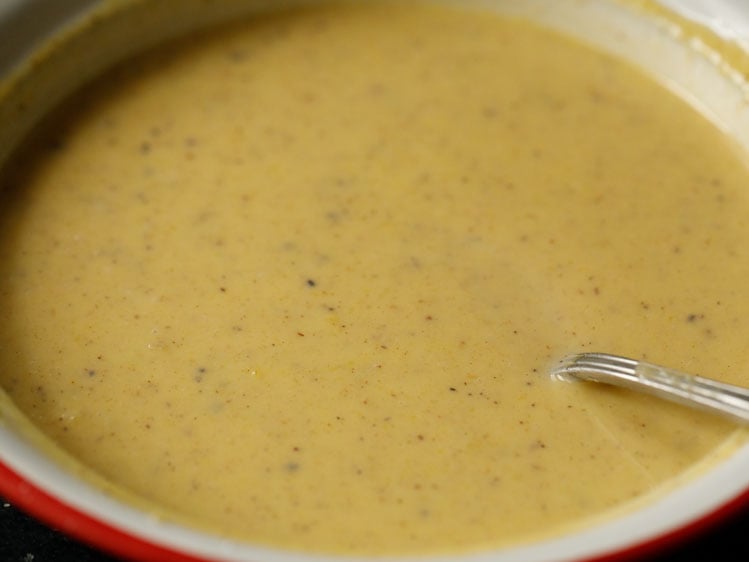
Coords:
301,279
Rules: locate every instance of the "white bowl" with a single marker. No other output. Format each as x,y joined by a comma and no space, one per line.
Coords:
37,484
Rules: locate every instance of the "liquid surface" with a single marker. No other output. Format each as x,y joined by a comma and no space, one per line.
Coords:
301,279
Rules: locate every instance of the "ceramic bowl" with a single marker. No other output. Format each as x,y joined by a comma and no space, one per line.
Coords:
44,58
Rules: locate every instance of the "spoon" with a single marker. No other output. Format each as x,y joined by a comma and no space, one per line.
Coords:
690,390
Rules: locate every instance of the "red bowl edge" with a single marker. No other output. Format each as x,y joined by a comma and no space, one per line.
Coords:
34,501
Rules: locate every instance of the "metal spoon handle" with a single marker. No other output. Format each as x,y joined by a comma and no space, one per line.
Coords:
690,390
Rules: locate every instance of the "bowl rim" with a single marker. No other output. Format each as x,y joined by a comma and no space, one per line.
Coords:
47,491
107,537
36,486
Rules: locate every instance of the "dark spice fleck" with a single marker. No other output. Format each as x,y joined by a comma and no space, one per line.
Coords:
311,283
55,144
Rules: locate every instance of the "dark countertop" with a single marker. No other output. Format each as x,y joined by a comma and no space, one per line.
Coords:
23,539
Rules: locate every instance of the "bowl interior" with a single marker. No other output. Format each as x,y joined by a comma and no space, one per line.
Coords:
57,54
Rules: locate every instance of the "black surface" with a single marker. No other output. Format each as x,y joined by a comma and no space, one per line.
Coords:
23,539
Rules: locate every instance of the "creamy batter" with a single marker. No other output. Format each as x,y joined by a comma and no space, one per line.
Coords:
299,280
